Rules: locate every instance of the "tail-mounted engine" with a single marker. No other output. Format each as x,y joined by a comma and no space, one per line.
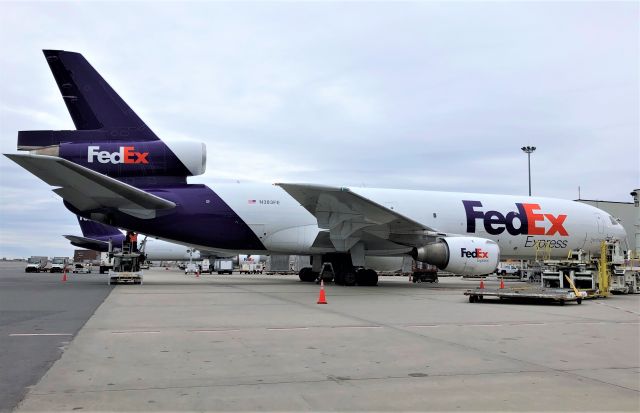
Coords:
461,255
134,159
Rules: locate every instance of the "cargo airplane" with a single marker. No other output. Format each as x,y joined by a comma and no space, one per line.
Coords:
115,170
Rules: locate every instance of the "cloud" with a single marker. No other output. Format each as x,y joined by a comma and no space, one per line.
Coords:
422,95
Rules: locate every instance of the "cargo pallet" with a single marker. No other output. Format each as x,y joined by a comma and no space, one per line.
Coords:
530,294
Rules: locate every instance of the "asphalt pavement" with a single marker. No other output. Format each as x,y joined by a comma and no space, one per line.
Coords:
39,315
261,343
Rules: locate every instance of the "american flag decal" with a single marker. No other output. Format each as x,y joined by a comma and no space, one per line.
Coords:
251,201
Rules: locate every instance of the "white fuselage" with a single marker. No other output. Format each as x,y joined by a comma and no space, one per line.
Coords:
551,225
159,250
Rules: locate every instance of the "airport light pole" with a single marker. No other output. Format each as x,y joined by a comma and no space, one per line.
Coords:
528,150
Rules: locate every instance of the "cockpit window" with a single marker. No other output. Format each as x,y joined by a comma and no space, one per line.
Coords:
613,220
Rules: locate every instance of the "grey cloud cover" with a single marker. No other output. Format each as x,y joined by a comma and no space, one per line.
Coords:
412,95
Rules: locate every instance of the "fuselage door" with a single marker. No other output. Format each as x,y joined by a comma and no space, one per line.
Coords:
600,224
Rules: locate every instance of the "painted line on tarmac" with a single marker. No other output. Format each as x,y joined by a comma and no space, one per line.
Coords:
356,327
213,331
38,334
527,324
287,328
135,332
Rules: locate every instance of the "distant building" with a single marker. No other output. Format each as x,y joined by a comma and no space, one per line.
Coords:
629,216
86,256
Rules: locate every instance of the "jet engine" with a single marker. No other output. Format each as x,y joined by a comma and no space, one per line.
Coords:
125,159
461,255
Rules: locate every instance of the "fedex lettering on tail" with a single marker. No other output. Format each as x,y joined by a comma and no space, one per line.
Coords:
126,154
526,220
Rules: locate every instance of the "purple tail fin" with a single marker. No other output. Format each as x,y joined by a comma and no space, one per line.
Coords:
98,113
111,139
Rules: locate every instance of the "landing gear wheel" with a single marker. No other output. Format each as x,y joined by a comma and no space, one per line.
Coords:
339,279
306,275
372,278
349,278
472,298
367,277
579,301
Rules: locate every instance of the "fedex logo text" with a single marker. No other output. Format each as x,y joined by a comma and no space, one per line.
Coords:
477,253
126,154
527,218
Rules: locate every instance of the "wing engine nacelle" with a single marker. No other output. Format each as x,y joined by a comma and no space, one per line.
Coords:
461,255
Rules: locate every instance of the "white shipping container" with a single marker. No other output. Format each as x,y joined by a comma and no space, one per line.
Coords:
277,263
222,266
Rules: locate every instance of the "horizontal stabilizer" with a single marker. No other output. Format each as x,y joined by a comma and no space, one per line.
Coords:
88,243
89,190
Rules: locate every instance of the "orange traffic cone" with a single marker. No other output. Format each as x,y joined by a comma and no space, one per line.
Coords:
501,283
482,284
321,298
64,276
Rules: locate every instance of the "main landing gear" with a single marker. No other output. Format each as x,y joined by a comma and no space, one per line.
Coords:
338,268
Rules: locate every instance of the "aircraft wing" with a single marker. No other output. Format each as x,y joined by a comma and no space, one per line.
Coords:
88,243
350,217
89,190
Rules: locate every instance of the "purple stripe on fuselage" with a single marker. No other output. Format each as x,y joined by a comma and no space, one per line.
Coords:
200,217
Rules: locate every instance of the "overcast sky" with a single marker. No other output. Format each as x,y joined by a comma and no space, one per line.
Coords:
420,95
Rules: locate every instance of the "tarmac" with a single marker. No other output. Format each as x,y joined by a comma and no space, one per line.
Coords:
261,343
39,316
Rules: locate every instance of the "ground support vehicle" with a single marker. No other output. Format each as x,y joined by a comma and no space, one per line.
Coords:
423,272
36,264
191,268
59,264
533,294
206,267
508,270
625,280
251,268
126,268
126,263
106,262
223,266
80,268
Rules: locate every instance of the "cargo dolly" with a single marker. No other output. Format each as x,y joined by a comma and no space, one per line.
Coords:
557,295
528,293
